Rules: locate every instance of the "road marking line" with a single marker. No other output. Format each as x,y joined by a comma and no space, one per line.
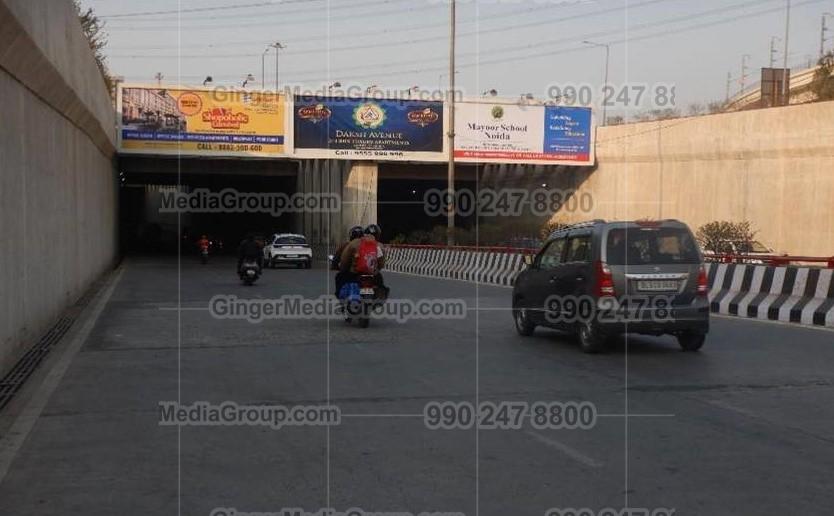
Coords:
567,450
11,443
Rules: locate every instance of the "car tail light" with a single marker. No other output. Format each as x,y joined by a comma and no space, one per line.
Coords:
703,284
605,281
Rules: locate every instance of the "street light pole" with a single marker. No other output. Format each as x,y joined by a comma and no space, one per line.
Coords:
278,47
263,68
450,221
605,86
785,98
823,30
743,77
773,51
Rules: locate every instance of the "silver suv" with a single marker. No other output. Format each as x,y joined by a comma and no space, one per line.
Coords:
600,279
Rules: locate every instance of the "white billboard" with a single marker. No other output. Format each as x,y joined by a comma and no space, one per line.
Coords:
502,131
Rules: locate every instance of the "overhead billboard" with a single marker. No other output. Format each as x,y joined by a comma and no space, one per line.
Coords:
365,128
512,132
218,122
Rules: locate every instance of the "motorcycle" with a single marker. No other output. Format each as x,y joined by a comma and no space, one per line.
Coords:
361,298
249,272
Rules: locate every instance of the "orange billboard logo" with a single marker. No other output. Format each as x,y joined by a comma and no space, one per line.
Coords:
189,104
314,113
224,118
423,117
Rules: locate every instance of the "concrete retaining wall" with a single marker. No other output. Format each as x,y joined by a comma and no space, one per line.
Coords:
58,197
774,167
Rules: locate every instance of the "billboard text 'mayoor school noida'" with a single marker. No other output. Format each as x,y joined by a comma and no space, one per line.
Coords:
517,133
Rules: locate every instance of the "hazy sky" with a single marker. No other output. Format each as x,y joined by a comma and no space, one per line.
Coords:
513,46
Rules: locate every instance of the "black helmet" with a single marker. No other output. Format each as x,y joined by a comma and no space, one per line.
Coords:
374,230
355,232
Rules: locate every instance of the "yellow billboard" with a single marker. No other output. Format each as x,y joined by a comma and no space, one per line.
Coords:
201,122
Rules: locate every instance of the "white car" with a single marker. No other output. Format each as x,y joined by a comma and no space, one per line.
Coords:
288,248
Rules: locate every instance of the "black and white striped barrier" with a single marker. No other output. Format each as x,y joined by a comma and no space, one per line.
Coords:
802,295
494,268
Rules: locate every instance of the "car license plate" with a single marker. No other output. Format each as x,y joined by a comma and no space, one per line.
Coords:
290,256
366,291
657,285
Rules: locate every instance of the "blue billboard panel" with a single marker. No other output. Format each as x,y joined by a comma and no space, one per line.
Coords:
351,128
567,133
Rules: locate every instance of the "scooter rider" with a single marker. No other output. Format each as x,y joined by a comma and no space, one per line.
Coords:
347,262
249,249
355,233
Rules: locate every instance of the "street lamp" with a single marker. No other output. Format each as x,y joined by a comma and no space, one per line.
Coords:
491,92
336,84
605,86
263,67
249,78
208,80
277,46
370,88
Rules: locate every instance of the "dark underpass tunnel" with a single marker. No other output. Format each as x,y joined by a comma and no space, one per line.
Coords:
150,223
410,198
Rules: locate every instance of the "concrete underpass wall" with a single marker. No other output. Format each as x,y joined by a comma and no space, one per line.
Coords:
356,184
773,167
57,180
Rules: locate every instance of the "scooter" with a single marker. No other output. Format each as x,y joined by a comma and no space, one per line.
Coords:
361,298
249,272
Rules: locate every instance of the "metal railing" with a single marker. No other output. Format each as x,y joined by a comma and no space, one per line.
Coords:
483,249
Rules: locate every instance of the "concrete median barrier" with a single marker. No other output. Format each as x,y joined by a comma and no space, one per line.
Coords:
801,295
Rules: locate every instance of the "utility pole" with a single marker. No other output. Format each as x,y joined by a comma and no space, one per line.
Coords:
773,51
607,56
159,78
785,98
823,30
743,77
450,221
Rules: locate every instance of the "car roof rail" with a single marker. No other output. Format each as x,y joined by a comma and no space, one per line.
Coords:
578,225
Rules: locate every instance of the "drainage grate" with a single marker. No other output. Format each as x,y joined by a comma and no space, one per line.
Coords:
23,369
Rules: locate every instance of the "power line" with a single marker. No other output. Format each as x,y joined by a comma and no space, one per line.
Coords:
502,50
377,34
580,48
202,9
225,18
434,38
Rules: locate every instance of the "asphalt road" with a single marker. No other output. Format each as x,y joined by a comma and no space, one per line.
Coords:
742,427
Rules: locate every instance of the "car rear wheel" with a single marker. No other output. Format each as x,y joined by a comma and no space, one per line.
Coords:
591,339
523,325
691,341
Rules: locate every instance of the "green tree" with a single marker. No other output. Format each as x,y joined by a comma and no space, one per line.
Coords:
93,29
823,83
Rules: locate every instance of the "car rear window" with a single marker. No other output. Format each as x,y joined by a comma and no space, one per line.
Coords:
636,246
291,241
